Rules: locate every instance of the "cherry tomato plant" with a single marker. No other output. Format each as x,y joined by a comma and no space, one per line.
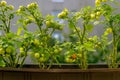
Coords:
11,43
45,50
77,51
111,21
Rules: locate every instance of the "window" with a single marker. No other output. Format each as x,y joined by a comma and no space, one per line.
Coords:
55,13
57,0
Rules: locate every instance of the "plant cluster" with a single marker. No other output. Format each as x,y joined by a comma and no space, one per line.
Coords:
81,48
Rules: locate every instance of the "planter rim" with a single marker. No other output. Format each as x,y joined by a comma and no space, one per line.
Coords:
60,70
65,68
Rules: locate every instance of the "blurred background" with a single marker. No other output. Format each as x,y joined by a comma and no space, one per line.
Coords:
53,7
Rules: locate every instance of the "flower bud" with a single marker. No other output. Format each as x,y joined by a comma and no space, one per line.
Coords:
98,13
97,2
92,16
48,23
3,3
21,49
11,7
21,8
37,55
32,5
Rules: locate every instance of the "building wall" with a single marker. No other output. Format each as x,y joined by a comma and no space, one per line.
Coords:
47,6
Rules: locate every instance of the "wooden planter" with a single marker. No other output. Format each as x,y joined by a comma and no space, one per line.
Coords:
64,73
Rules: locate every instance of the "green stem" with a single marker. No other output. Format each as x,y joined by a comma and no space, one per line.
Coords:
8,26
52,32
36,21
83,34
74,25
40,66
117,40
84,61
11,61
43,66
6,63
115,43
114,52
6,29
39,27
17,60
22,62
51,62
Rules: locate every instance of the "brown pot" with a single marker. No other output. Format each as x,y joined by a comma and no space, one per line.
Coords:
65,72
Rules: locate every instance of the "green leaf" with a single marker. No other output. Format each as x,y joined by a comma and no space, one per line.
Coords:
11,35
19,31
51,42
89,27
71,25
95,38
89,47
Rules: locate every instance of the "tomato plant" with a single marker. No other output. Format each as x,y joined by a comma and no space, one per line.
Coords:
44,48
